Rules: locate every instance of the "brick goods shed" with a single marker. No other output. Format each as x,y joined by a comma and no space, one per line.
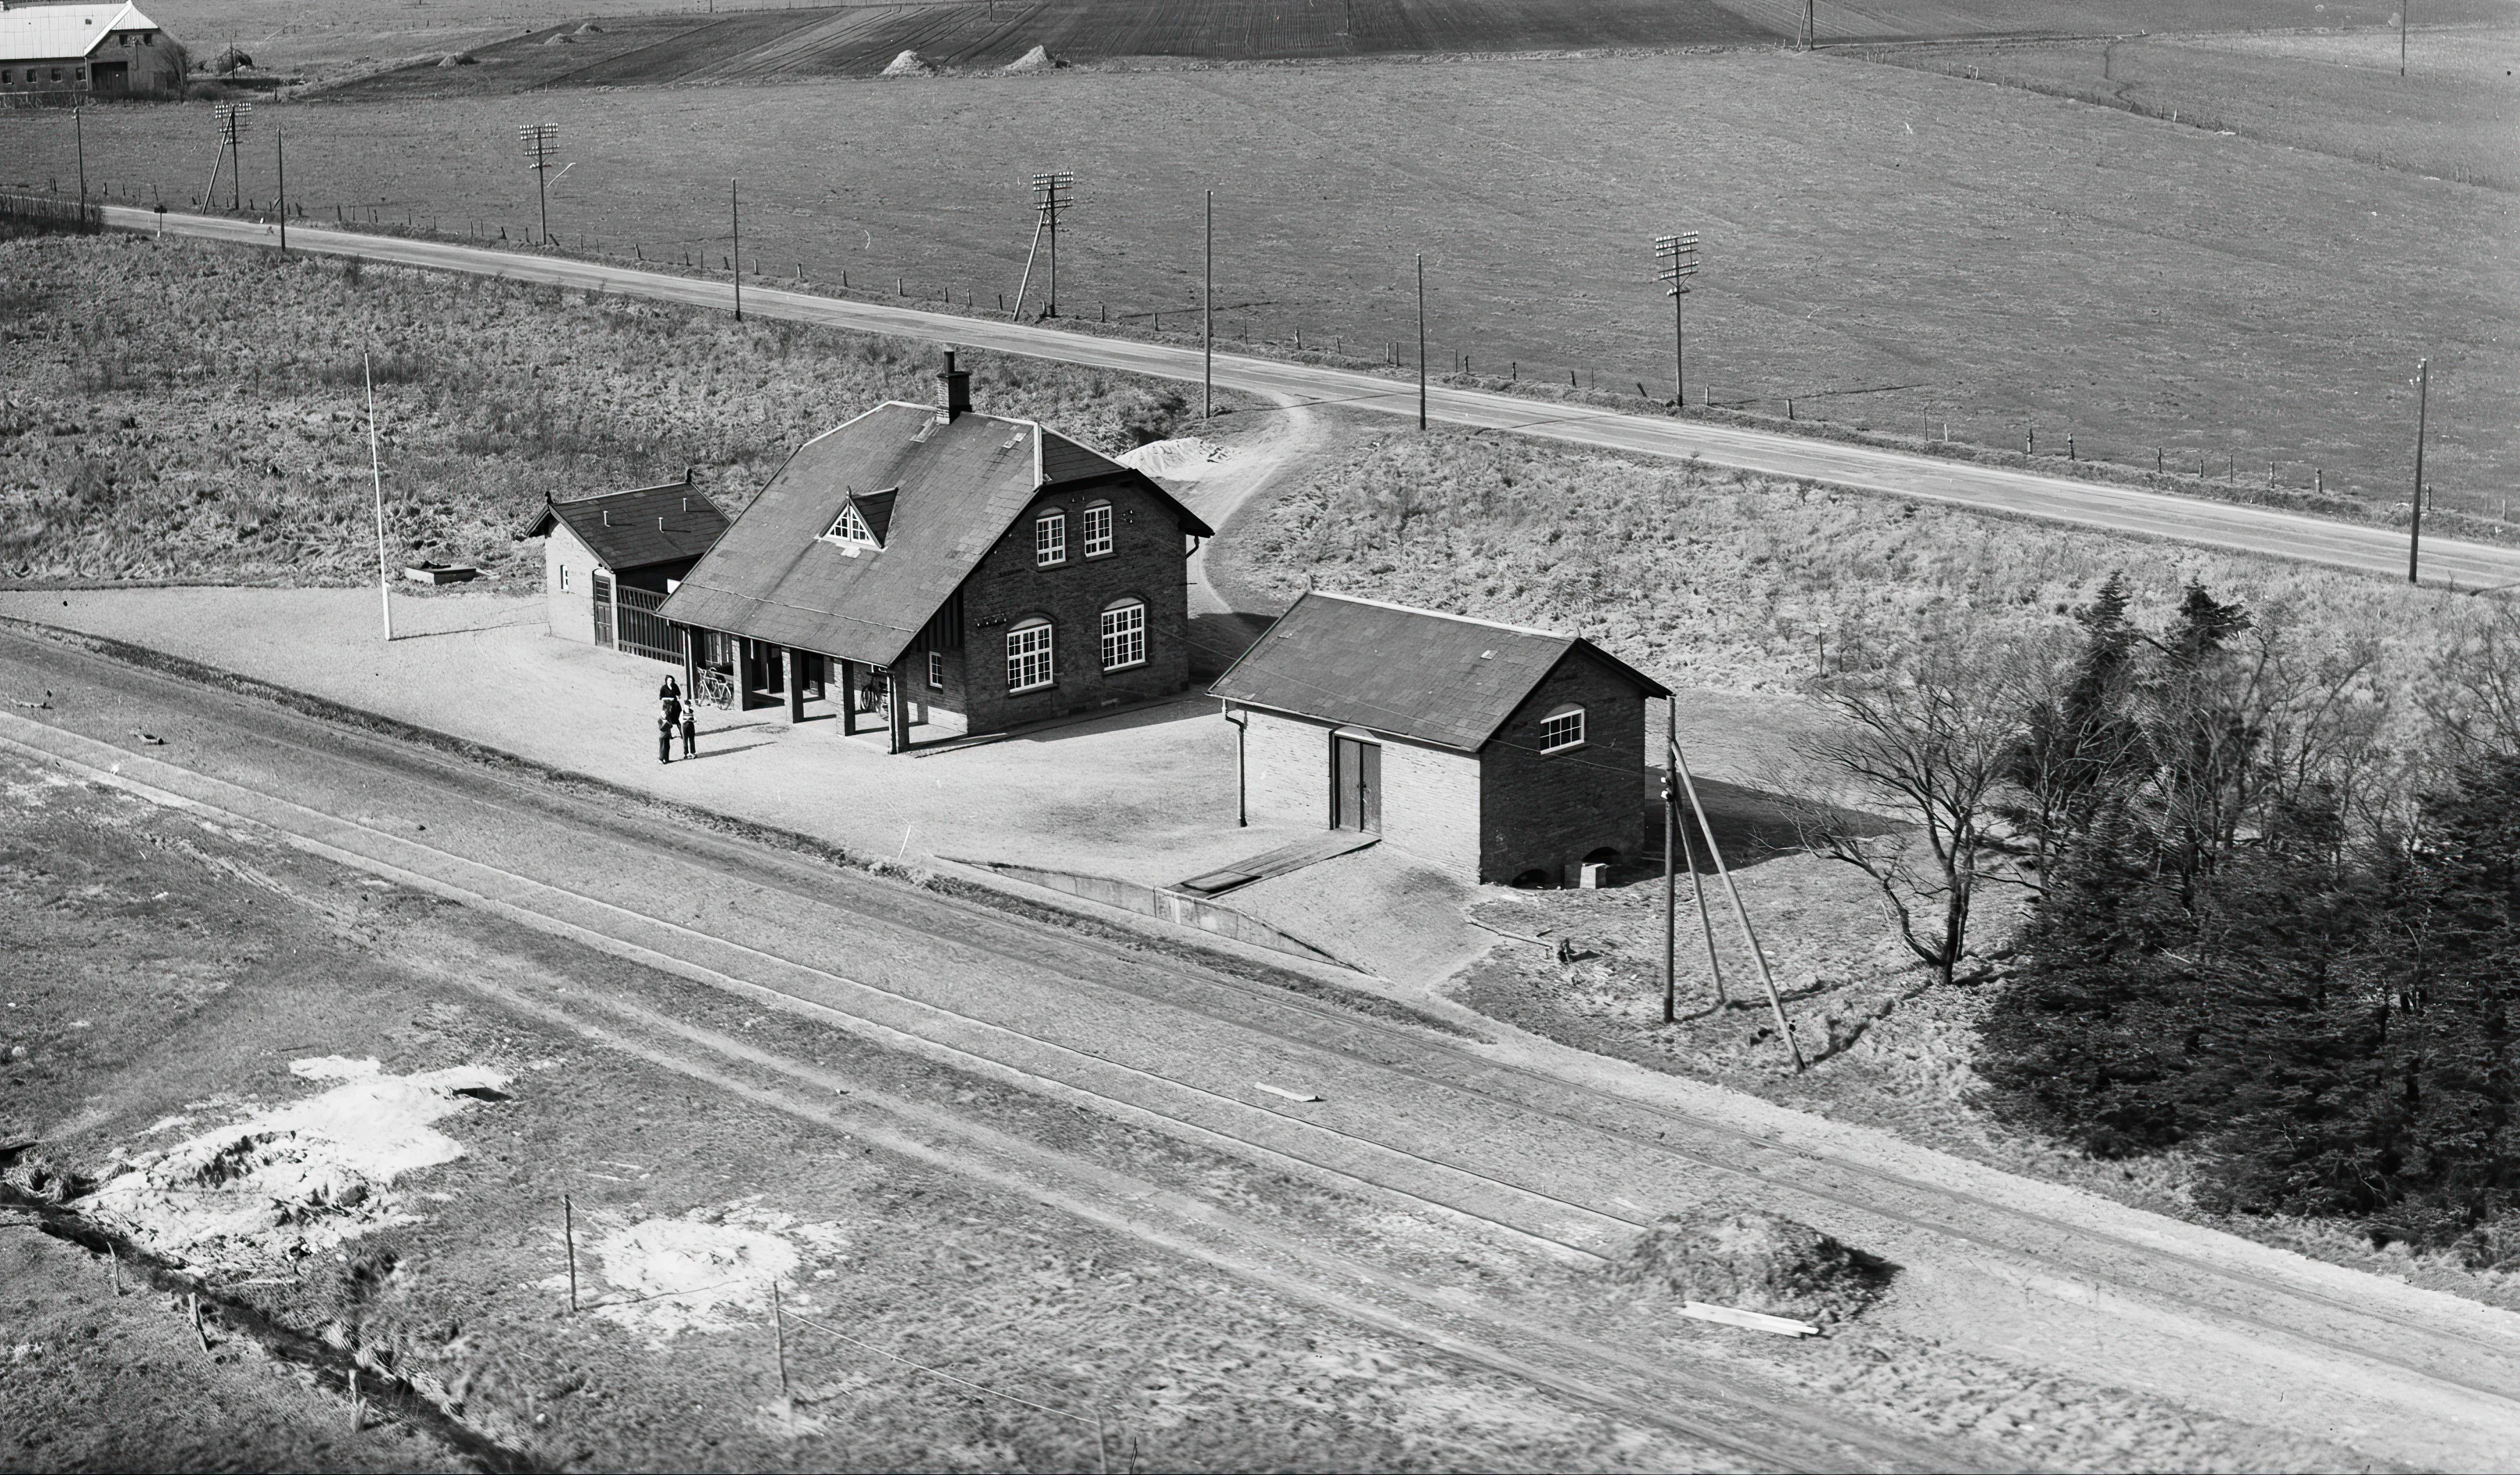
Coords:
66,52
1499,753
609,561
947,569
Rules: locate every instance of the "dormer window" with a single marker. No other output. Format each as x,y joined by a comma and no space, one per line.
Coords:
851,527
1050,540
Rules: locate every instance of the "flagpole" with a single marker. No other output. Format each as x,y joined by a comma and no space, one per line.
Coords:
377,476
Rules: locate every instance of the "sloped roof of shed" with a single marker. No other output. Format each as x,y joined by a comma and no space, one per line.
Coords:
959,485
51,33
633,529
1445,679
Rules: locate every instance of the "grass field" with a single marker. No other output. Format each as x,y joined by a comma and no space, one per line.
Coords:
164,419
2455,116
1882,246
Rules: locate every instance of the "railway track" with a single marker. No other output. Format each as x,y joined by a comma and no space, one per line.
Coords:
2440,1379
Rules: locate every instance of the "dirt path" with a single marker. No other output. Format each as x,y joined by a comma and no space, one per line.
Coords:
1544,1142
1283,447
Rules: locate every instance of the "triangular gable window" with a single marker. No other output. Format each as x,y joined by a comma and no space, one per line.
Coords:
851,527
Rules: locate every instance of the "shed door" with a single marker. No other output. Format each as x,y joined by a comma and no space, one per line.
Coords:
604,631
1356,785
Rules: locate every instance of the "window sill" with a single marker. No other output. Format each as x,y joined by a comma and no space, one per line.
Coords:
1129,666
1563,748
1048,686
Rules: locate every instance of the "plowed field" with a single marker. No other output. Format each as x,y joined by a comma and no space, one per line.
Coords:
860,41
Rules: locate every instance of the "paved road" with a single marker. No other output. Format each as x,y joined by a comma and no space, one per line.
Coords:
2251,529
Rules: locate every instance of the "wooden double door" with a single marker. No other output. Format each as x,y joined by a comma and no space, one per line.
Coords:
1356,785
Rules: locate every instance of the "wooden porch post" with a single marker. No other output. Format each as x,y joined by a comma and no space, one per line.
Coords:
897,697
848,699
691,665
792,674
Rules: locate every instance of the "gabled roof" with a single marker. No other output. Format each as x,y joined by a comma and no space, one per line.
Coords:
53,32
1444,679
634,529
958,485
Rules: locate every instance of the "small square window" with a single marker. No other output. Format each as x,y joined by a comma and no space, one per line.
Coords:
1050,540
1562,730
1098,530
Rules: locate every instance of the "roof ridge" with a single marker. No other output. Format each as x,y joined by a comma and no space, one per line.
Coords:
1440,614
629,491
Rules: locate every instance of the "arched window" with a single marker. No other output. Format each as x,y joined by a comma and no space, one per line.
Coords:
1124,634
1050,540
1097,529
1561,729
1030,661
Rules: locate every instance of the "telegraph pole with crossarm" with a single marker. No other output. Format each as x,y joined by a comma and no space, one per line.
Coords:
1676,258
541,143
1052,194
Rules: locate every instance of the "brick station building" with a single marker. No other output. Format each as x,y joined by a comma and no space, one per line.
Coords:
945,569
1499,753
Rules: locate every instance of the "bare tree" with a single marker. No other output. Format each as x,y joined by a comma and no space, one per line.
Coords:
1928,740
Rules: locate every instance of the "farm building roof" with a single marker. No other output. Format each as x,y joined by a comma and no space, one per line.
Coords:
54,32
956,486
1444,679
634,529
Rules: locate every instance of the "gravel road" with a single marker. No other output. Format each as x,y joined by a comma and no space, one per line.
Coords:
2251,529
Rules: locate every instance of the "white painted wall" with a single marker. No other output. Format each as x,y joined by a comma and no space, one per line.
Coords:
1430,797
569,612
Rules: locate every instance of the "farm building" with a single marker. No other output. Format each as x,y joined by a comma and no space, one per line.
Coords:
66,52
609,561
1499,753
948,570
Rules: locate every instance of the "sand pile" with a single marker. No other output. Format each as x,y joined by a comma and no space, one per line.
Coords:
1037,58
555,39
456,58
1185,460
287,1182
707,1271
909,64
1753,1259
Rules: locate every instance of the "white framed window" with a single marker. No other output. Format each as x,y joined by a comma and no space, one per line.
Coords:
563,578
849,528
1124,635
1030,661
1561,729
1048,540
936,670
1097,529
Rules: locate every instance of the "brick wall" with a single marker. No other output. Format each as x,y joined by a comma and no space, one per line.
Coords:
1430,797
570,612
1548,811
1145,562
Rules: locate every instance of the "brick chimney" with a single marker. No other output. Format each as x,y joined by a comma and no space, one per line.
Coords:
957,389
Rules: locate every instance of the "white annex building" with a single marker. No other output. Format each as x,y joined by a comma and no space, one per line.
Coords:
64,51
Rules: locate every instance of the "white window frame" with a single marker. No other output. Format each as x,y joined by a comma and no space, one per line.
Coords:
1098,530
936,670
1032,657
1131,636
1050,540
850,530
1553,720
563,578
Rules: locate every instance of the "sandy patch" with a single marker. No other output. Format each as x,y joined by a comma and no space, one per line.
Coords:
710,1270
1187,458
287,1182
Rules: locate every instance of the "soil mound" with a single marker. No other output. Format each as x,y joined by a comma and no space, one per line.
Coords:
909,64
555,39
590,28
1037,58
1755,1261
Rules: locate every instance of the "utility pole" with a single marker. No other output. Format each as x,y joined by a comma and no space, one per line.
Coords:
2402,6
78,126
1676,258
2416,522
1811,25
280,166
541,142
1740,913
231,119
1052,194
1208,310
1422,340
377,475
735,222
1671,897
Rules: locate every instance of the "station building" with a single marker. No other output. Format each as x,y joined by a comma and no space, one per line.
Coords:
1498,753
938,571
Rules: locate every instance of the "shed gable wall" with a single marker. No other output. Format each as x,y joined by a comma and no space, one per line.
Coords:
1548,811
568,612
